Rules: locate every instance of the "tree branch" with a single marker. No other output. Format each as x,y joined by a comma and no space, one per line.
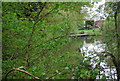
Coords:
41,9
30,39
23,71
54,38
42,17
47,13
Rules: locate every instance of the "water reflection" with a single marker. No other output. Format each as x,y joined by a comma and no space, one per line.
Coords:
92,52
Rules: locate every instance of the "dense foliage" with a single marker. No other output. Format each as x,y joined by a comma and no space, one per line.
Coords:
36,39
33,34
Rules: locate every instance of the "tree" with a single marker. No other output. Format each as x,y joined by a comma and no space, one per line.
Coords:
112,24
34,31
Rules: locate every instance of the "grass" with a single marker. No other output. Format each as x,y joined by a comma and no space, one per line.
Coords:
96,31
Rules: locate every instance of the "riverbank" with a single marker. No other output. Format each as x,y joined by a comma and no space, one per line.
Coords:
96,31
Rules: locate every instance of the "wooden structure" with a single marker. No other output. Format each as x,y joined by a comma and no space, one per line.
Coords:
79,35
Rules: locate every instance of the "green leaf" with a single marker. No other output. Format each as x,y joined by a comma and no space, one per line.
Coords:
66,67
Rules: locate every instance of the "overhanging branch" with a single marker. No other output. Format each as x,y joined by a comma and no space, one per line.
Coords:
23,71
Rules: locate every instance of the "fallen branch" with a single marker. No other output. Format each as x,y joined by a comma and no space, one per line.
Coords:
23,71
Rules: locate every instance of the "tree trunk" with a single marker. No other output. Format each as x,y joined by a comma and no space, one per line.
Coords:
117,27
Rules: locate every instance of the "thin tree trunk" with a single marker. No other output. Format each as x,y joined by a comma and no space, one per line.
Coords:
33,30
30,39
117,27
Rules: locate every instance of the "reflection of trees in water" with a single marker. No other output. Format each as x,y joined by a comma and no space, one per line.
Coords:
89,40
78,50
86,40
73,46
96,51
114,52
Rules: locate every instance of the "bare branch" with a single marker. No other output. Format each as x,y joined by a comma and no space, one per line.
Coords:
41,9
43,16
23,71
47,13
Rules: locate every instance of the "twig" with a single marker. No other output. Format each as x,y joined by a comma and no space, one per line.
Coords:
30,39
48,13
54,38
11,57
23,71
41,9
56,73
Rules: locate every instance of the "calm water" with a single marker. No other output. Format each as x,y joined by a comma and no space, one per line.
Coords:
94,51
91,48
